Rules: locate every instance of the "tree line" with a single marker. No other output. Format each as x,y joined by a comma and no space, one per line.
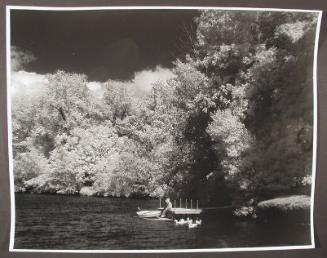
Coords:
233,125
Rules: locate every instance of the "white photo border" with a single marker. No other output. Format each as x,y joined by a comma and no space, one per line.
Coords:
95,8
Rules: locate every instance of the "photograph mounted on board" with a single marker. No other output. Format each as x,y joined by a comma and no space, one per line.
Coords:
161,129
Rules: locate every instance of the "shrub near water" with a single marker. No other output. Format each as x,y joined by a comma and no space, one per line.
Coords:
291,203
298,205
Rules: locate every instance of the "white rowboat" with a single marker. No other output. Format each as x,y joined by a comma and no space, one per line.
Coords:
149,213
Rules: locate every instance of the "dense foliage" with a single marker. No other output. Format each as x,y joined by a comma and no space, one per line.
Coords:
234,123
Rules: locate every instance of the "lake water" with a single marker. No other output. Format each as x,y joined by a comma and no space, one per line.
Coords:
74,222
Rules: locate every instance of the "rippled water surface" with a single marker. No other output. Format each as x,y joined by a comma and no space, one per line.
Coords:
66,222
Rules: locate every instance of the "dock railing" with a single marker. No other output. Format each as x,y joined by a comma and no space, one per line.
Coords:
174,203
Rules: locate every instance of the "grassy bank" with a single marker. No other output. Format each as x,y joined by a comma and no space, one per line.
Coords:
289,203
287,209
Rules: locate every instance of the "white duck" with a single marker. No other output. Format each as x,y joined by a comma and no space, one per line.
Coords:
198,221
180,222
192,225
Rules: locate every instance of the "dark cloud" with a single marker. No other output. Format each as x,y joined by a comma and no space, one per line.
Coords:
118,58
101,44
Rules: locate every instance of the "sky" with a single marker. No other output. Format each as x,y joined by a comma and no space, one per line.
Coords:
103,44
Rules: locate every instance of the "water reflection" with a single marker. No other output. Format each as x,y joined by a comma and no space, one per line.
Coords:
62,222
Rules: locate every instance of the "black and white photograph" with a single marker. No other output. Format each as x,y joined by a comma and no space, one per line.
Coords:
161,129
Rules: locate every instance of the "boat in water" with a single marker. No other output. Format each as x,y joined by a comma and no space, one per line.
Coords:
175,214
149,213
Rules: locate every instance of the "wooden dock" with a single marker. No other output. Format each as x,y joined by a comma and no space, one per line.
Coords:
175,212
185,211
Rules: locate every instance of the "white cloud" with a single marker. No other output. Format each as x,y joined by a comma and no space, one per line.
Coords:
27,84
142,83
30,85
144,80
96,89
94,86
20,58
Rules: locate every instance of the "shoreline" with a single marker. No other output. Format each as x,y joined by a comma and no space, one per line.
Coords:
265,211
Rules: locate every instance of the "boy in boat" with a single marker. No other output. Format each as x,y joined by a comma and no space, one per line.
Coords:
167,208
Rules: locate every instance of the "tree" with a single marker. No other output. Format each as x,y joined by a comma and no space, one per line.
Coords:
233,124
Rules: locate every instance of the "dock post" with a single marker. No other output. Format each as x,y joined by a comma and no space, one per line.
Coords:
197,204
180,203
191,204
160,202
174,203
186,204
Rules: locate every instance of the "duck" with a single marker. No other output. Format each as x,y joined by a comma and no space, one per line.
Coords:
192,225
180,222
198,221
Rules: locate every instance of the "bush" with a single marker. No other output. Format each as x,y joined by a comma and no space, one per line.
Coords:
295,202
